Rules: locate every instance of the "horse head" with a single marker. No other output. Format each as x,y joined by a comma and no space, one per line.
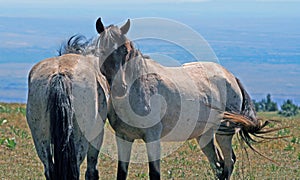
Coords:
115,49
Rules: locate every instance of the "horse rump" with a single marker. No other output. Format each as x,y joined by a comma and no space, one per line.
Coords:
248,123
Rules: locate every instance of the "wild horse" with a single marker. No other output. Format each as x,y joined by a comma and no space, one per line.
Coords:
66,110
148,101
199,100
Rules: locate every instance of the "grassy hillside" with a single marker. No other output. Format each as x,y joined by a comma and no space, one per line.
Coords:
18,158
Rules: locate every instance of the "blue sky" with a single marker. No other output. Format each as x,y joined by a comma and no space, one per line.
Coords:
254,38
243,7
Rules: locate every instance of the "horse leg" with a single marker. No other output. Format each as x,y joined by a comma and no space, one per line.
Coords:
225,143
44,153
206,143
40,131
153,150
42,145
124,151
152,140
92,157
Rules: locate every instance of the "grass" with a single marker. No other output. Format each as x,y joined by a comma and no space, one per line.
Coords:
18,158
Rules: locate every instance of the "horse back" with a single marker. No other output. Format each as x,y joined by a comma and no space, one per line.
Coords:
218,84
208,82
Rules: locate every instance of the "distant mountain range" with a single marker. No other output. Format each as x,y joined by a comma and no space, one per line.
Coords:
263,53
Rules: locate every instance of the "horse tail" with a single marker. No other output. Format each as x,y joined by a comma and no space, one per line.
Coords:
246,120
61,126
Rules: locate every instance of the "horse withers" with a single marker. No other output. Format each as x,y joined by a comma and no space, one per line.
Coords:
66,112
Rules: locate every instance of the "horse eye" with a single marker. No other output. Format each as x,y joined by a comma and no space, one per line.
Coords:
124,49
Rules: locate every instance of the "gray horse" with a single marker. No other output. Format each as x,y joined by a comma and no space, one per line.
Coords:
66,110
148,101
154,103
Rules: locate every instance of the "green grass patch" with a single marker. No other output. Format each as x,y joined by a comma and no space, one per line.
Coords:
19,160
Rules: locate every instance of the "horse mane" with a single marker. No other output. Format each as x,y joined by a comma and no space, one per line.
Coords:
79,44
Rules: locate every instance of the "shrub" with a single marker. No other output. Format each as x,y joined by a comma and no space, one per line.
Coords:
289,109
266,105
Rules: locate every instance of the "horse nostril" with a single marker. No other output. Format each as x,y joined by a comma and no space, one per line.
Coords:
147,109
124,86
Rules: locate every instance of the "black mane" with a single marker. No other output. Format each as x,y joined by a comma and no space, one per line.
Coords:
78,44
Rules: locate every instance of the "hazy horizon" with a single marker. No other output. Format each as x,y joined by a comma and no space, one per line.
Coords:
256,40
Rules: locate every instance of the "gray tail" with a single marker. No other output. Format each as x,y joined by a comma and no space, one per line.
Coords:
61,127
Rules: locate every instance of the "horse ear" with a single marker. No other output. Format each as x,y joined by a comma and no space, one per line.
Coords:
125,28
99,26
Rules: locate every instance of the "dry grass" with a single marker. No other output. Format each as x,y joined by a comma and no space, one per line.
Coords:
20,161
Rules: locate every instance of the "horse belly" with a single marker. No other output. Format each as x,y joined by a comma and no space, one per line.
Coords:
187,113
190,122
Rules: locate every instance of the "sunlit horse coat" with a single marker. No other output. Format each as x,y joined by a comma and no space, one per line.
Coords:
156,103
199,100
66,110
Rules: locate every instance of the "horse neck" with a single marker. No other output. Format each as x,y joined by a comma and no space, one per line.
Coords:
136,67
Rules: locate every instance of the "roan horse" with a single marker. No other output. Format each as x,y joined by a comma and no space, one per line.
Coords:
154,103
66,110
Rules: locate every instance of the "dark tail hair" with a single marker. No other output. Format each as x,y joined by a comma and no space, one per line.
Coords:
246,119
248,122
61,126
